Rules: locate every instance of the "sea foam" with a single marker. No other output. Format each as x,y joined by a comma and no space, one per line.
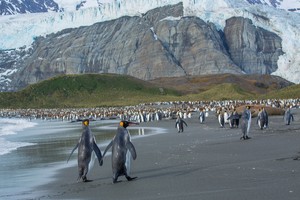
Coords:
11,127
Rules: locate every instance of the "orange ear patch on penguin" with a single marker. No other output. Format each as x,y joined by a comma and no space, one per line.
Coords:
122,123
86,122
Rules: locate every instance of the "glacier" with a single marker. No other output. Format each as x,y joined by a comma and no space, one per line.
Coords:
21,30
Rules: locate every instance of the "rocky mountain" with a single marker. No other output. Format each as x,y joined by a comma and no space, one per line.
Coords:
254,49
152,46
150,39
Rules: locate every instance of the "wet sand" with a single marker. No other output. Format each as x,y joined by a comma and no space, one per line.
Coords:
203,162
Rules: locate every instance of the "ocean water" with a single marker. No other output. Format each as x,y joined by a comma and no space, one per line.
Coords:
12,127
32,151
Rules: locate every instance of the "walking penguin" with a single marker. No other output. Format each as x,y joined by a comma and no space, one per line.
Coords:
245,123
86,145
179,124
288,116
121,144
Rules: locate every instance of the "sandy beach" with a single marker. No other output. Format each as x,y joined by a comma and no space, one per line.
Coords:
203,162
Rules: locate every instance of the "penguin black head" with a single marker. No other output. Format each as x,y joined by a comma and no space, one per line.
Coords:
125,124
86,122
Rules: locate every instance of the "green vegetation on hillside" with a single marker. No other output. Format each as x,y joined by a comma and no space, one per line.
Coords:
223,91
100,90
89,90
291,92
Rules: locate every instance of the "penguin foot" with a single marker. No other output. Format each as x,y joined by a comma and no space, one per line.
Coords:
130,178
83,179
245,137
86,180
296,158
116,181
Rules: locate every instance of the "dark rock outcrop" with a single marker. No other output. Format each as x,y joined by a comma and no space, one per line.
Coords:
253,49
196,46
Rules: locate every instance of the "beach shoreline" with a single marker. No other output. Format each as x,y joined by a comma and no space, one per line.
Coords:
203,162
46,147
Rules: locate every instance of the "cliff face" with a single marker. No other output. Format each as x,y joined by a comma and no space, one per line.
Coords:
151,46
253,49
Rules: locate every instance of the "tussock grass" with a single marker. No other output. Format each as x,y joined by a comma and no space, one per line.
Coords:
291,92
88,90
225,91
101,90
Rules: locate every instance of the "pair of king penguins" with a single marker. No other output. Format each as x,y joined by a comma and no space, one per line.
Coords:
120,144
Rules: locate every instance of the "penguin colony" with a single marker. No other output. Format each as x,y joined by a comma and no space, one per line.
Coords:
226,113
142,112
121,145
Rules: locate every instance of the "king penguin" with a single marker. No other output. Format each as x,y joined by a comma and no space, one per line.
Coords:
221,118
202,116
262,118
179,124
246,122
121,144
86,145
288,116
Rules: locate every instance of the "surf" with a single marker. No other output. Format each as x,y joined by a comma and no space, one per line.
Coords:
10,126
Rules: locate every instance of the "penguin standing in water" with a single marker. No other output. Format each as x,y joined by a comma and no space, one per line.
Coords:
121,144
288,116
179,124
86,145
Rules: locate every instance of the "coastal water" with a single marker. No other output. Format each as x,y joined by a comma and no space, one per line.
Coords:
12,127
31,151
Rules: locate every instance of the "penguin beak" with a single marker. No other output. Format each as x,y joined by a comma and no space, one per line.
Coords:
133,123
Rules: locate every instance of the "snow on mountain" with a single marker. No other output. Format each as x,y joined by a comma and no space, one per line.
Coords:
290,5
68,5
20,30
285,24
12,7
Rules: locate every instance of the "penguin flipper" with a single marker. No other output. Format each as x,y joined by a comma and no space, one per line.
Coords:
131,148
108,147
98,153
73,151
185,123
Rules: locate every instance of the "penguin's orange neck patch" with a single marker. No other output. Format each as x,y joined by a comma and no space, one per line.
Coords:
86,122
122,124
